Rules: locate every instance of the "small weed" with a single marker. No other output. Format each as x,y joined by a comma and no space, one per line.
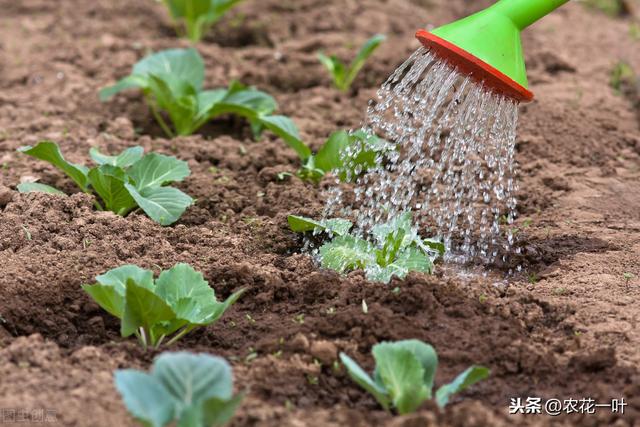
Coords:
250,319
560,291
312,379
482,298
299,319
627,278
622,75
533,278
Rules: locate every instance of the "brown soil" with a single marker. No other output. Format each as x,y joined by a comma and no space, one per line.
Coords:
567,326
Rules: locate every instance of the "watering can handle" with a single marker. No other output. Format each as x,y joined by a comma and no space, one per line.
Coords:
525,12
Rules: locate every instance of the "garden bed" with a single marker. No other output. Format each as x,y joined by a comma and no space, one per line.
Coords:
564,327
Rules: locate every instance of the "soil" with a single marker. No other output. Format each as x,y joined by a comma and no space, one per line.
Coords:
566,326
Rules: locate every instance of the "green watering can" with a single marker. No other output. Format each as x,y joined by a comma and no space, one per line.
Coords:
487,47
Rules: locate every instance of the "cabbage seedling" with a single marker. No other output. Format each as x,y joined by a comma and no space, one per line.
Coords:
346,153
172,80
404,375
395,248
124,182
187,389
343,75
173,305
196,17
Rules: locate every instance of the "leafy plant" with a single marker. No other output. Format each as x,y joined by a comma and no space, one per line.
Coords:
348,153
342,74
396,248
196,17
172,80
193,390
173,305
124,182
404,375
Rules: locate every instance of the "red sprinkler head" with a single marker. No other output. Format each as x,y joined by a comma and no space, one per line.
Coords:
474,67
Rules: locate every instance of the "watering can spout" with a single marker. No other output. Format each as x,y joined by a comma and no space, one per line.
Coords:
525,12
487,47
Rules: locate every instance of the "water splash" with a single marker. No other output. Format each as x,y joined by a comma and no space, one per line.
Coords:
451,163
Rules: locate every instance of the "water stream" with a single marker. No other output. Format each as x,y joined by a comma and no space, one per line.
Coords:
451,163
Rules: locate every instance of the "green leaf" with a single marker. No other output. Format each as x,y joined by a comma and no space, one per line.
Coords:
108,181
466,379
49,152
414,259
181,64
30,187
182,281
155,170
365,52
143,308
215,310
427,356
363,379
164,205
346,253
337,226
129,82
336,68
192,379
117,278
285,128
107,297
218,412
145,397
435,245
401,372
123,160
328,157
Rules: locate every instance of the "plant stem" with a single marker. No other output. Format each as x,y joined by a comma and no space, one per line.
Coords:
143,338
159,343
179,335
167,130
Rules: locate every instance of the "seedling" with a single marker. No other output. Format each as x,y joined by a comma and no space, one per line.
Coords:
404,375
123,183
622,76
193,18
395,249
172,80
182,389
177,302
342,74
346,153
627,278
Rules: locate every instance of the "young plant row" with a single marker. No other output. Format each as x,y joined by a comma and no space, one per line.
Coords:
172,84
194,18
196,390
